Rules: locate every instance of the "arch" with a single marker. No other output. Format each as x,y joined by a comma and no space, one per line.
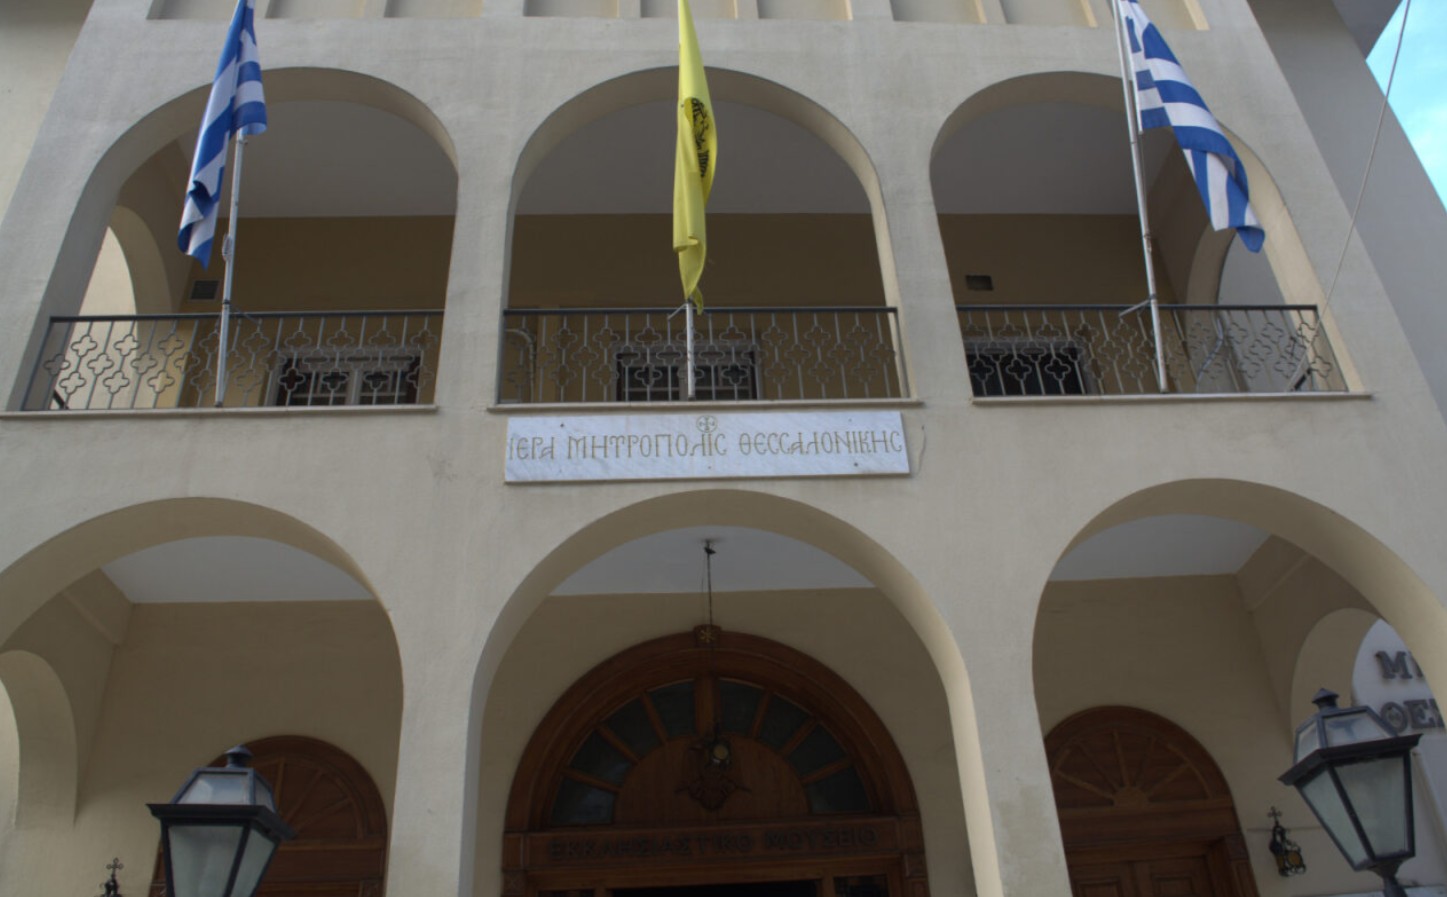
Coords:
762,735
730,507
1284,248
788,233
149,279
1359,557
1326,659
334,806
724,84
33,578
48,765
770,513
161,127
112,287
1138,795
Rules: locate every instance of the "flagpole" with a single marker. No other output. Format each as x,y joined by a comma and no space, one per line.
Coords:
1133,123
688,324
228,247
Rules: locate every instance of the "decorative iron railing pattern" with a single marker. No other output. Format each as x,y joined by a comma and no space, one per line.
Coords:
129,362
1060,350
740,354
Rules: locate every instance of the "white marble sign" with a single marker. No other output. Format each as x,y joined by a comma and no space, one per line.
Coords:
709,445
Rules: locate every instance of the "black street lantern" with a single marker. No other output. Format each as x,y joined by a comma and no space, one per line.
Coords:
1352,770
219,832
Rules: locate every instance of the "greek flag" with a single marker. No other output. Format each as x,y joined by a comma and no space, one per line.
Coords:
236,105
1165,98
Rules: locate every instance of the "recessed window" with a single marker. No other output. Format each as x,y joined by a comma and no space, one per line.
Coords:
634,728
674,704
740,706
781,720
600,769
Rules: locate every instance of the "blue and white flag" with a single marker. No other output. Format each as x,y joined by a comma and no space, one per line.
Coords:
1165,98
236,106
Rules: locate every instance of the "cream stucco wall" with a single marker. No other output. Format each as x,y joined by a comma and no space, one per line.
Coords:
35,41
413,503
336,264
1048,259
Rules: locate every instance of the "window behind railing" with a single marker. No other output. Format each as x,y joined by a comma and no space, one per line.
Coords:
740,354
128,362
1064,350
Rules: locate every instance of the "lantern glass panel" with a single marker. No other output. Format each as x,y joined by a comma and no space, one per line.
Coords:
264,796
201,857
253,863
218,786
1307,740
1354,727
1377,790
1326,802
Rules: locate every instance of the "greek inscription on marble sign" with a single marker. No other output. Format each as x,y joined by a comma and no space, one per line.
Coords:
705,446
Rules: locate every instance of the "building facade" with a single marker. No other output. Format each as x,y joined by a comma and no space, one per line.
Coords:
990,610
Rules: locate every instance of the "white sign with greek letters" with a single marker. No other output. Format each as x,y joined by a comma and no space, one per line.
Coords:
711,445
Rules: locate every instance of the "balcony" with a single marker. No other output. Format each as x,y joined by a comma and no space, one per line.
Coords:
741,354
1106,350
278,359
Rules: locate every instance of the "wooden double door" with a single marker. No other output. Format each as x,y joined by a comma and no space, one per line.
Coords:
1178,876
1144,810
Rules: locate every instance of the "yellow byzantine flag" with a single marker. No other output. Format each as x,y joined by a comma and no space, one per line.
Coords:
694,164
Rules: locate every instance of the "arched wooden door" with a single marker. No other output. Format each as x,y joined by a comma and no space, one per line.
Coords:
340,849
712,764
1144,810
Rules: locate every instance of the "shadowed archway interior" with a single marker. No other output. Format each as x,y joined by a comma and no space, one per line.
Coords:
708,759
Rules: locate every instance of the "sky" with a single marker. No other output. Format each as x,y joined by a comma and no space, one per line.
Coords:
1419,91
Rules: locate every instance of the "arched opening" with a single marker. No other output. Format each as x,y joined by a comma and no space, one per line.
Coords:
1222,606
340,275
713,758
795,299
334,807
779,574
1037,208
44,771
9,761
1144,809
171,624
111,289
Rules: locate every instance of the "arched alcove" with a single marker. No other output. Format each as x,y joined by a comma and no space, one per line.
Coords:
797,304
1347,548
47,760
706,748
1221,605
56,561
563,612
9,761
1037,208
330,256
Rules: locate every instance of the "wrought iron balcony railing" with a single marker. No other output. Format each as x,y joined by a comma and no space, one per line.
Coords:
1064,350
740,354
128,362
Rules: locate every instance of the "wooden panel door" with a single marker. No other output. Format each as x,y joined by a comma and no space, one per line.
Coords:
1103,880
1176,877
1173,877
